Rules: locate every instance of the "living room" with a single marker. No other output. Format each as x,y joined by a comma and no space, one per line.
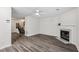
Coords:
60,23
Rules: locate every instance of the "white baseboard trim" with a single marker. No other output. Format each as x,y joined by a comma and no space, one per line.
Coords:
31,35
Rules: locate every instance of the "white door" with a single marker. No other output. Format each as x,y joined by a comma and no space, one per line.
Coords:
5,27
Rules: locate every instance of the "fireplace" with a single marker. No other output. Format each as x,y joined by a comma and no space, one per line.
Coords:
64,34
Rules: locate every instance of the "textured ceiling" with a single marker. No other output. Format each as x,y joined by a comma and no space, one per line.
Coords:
19,12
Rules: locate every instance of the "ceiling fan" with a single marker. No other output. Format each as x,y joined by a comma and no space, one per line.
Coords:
37,12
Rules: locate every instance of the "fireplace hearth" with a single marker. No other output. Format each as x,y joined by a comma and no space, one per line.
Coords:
64,34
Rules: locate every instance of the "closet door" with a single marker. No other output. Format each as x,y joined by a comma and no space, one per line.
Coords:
5,27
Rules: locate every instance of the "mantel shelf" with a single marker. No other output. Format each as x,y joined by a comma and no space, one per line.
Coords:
68,25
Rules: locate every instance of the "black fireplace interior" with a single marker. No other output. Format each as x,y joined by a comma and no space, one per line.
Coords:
64,35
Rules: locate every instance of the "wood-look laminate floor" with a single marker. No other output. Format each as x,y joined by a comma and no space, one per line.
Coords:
39,43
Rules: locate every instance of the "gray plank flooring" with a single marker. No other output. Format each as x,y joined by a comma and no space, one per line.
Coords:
39,43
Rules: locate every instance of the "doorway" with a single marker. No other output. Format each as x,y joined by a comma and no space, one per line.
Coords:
17,28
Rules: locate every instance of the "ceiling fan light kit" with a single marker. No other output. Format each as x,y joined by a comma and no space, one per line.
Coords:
37,13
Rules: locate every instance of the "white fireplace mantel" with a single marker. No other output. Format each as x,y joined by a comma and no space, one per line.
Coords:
72,30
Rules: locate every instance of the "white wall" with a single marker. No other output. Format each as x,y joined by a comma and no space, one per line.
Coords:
5,27
48,26
31,26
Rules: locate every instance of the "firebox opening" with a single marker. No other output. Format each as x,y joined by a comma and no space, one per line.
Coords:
64,35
